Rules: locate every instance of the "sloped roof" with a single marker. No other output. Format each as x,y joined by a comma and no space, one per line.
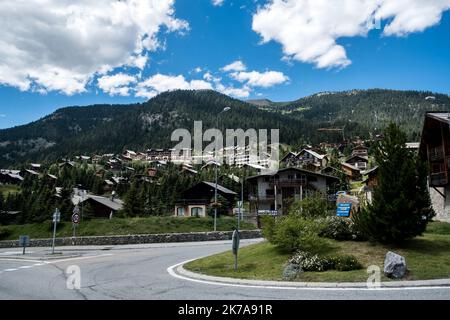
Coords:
314,154
219,187
294,169
115,205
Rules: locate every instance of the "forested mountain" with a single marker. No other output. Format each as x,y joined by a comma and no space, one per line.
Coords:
112,129
361,112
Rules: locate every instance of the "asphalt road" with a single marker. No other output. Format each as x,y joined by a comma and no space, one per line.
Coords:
140,272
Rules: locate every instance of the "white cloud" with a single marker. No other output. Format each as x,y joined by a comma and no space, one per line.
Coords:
60,45
217,2
2,115
243,92
260,79
160,83
308,29
237,65
117,84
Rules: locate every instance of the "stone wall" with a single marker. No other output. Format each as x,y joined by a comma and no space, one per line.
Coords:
136,239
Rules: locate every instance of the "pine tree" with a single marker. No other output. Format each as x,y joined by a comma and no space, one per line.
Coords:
134,205
401,204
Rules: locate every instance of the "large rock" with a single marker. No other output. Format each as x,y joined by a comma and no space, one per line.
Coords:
394,265
291,271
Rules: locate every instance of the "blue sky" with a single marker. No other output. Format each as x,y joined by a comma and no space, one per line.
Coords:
269,54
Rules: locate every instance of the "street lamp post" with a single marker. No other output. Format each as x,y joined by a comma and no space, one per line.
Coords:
215,170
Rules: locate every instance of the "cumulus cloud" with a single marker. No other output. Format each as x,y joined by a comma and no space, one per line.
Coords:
118,84
160,83
237,65
217,2
308,29
243,92
60,45
260,79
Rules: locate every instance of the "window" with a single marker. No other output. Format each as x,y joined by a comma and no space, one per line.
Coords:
180,211
196,212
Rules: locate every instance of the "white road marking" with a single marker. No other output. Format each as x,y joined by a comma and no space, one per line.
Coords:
10,270
25,267
7,253
171,271
80,258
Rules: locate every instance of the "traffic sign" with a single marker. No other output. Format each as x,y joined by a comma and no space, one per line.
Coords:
24,241
75,218
56,216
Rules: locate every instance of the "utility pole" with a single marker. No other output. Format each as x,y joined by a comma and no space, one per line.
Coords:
215,171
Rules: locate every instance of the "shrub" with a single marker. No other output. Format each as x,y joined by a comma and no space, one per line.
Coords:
314,262
268,224
309,262
339,228
314,206
292,233
345,263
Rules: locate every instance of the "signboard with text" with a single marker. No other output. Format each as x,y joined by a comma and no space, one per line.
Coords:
343,209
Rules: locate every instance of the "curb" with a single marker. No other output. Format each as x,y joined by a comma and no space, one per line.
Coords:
189,275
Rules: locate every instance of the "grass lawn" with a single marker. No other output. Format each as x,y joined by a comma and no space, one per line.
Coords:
8,188
427,257
121,226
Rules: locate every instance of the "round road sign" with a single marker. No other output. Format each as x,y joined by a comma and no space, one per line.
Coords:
76,218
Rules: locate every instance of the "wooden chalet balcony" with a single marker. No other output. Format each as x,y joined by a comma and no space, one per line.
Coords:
288,182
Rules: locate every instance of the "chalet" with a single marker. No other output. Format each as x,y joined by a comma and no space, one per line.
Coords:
29,173
10,177
310,159
66,164
273,193
360,150
35,166
195,201
435,149
289,160
357,161
370,182
103,207
108,185
159,154
351,171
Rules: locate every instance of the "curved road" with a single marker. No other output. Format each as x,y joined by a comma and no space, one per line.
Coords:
140,272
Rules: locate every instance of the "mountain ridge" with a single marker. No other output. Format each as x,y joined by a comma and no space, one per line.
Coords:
105,128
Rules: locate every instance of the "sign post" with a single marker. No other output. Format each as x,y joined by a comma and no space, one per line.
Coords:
235,247
56,219
75,222
239,215
24,241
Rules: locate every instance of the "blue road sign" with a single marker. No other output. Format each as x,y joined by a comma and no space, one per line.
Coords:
343,209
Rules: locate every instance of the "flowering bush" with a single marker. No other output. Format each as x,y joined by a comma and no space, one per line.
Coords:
314,262
340,228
